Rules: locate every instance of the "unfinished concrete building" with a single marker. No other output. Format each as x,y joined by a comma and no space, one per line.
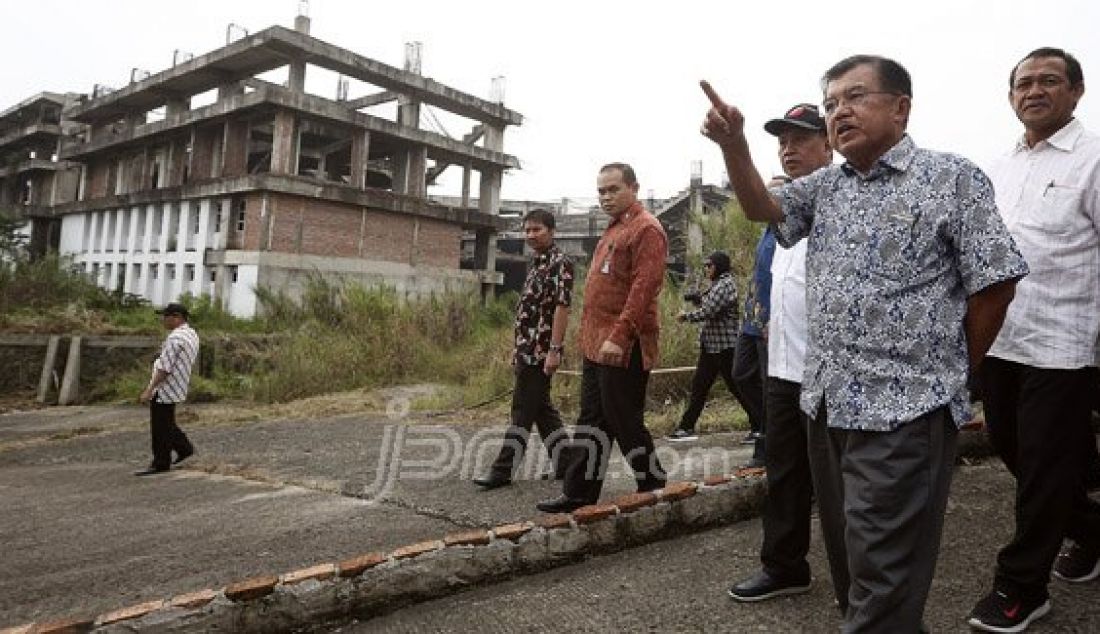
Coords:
33,179
269,184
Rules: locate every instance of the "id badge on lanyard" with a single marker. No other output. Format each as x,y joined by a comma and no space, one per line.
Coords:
605,268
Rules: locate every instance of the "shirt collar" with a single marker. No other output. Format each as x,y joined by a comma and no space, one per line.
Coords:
897,159
546,255
1063,139
631,213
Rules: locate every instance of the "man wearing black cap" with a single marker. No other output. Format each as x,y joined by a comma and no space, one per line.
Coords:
168,386
717,311
803,149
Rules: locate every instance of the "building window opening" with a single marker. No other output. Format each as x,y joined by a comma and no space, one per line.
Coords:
189,272
233,274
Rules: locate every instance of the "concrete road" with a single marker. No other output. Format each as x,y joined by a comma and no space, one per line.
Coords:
82,535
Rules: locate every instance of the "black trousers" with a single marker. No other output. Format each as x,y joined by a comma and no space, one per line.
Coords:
750,370
167,436
1038,422
612,410
710,366
790,486
531,406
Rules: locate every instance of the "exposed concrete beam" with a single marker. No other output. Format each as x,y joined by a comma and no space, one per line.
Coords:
439,147
268,50
470,138
385,96
296,185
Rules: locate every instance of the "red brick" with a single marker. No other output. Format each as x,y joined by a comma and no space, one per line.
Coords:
132,612
677,491
193,600
413,550
634,501
593,513
555,520
64,626
750,472
716,480
319,572
468,538
356,565
253,588
976,424
512,531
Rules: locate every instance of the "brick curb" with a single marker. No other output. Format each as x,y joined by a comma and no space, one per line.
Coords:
374,583
371,584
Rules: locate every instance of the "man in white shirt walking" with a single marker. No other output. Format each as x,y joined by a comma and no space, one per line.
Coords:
168,386
803,149
1040,374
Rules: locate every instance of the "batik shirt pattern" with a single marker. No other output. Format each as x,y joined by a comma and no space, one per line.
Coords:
892,257
549,284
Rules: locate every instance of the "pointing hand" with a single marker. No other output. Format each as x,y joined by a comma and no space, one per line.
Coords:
724,124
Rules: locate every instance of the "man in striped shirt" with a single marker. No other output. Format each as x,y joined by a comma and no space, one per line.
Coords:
168,386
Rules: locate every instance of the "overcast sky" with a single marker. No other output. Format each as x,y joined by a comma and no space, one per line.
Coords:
601,81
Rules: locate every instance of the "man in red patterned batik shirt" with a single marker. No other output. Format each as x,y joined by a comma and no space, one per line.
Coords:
618,340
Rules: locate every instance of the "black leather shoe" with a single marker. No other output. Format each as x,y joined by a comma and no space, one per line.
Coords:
562,504
151,470
183,455
762,586
492,481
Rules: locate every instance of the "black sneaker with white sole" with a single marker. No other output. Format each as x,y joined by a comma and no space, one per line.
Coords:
1077,564
763,586
1002,611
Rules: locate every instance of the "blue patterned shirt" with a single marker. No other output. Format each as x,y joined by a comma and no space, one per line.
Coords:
758,299
891,259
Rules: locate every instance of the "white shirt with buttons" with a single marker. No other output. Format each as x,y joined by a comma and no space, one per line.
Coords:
787,321
1049,197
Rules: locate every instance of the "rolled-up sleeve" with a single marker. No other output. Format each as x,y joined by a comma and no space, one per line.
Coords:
986,252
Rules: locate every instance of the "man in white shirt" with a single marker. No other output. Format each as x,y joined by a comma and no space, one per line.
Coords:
803,149
1040,375
168,386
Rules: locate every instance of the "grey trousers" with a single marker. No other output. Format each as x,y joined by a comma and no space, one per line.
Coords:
882,498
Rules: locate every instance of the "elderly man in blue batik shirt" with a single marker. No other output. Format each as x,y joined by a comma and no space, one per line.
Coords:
909,273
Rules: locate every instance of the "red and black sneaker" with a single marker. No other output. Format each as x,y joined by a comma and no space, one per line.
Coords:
1001,611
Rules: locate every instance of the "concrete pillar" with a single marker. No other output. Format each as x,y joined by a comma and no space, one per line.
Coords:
360,157
296,79
488,203
400,171
184,237
230,89
147,239
165,228
176,105
46,378
235,148
116,240
92,218
284,143
416,180
466,170
70,382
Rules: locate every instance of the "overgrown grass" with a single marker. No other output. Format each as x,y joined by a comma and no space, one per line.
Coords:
340,337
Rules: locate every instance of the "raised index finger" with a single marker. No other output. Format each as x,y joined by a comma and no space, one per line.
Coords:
715,100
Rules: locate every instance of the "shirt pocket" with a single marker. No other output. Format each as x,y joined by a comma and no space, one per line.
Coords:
1055,209
894,251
